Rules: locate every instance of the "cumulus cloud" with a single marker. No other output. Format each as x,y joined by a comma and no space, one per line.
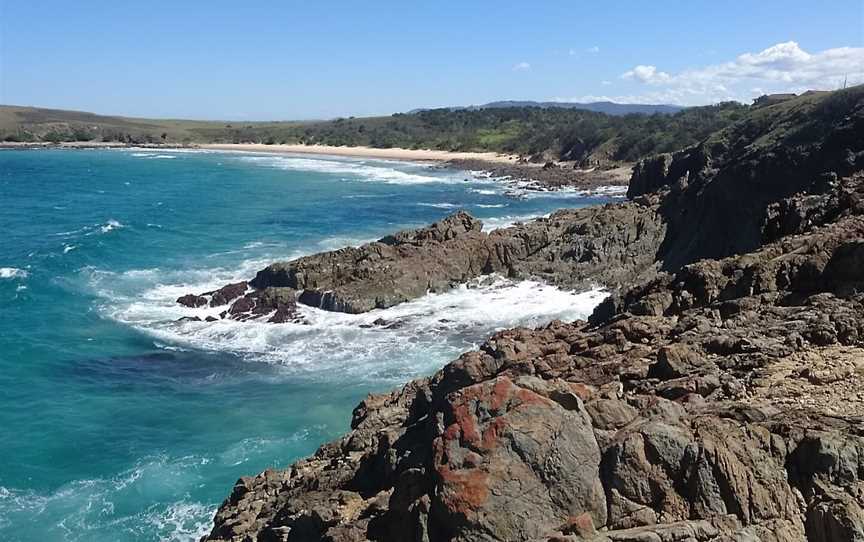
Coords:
784,67
521,66
646,74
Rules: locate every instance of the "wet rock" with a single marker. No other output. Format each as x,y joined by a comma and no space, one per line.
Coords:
227,293
192,301
189,319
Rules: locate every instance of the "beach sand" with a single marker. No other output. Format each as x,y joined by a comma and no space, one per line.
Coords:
364,152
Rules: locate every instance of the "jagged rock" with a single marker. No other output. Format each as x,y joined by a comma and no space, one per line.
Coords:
716,400
611,244
502,442
192,300
227,293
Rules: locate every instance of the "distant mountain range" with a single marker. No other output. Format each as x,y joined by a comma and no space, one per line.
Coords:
610,108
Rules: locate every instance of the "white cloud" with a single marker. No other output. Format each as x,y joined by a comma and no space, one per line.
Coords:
521,66
591,50
784,67
646,74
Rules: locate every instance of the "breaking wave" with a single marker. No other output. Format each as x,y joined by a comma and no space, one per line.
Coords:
359,169
415,337
13,273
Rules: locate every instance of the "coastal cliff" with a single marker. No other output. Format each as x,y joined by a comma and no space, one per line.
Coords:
716,395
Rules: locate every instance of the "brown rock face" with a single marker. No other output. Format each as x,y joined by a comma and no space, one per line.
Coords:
612,245
507,442
715,400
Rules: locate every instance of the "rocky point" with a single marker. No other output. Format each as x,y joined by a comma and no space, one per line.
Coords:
717,395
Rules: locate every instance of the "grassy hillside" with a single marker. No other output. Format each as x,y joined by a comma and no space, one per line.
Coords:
553,133
37,124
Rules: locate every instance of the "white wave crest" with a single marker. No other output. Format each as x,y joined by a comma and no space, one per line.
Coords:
98,509
570,192
153,156
111,225
13,273
417,336
497,223
439,205
335,243
384,171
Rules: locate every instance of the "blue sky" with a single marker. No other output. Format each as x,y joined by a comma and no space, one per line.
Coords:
300,60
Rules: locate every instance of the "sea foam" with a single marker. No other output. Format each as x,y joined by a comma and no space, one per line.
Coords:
418,336
507,221
354,169
439,205
110,225
99,508
13,273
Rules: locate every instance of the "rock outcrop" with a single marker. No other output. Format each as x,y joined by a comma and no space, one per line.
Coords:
718,397
612,245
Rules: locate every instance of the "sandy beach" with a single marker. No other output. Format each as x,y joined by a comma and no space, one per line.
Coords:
364,152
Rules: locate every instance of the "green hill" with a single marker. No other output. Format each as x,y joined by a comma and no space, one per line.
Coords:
542,133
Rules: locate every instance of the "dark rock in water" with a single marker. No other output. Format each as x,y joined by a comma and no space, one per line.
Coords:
283,315
282,302
243,305
385,324
716,396
227,293
189,319
192,300
274,298
211,319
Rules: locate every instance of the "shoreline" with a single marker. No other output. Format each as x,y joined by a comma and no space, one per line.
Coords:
393,153
526,175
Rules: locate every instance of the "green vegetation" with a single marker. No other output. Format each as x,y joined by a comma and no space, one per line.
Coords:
553,133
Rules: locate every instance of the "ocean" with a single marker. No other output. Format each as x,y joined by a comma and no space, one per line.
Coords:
118,422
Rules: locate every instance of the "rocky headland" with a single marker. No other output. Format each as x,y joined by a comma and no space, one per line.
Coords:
716,395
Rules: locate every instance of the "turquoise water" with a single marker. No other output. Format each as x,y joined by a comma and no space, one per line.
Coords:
118,423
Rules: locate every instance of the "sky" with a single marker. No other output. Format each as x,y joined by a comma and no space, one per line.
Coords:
303,60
